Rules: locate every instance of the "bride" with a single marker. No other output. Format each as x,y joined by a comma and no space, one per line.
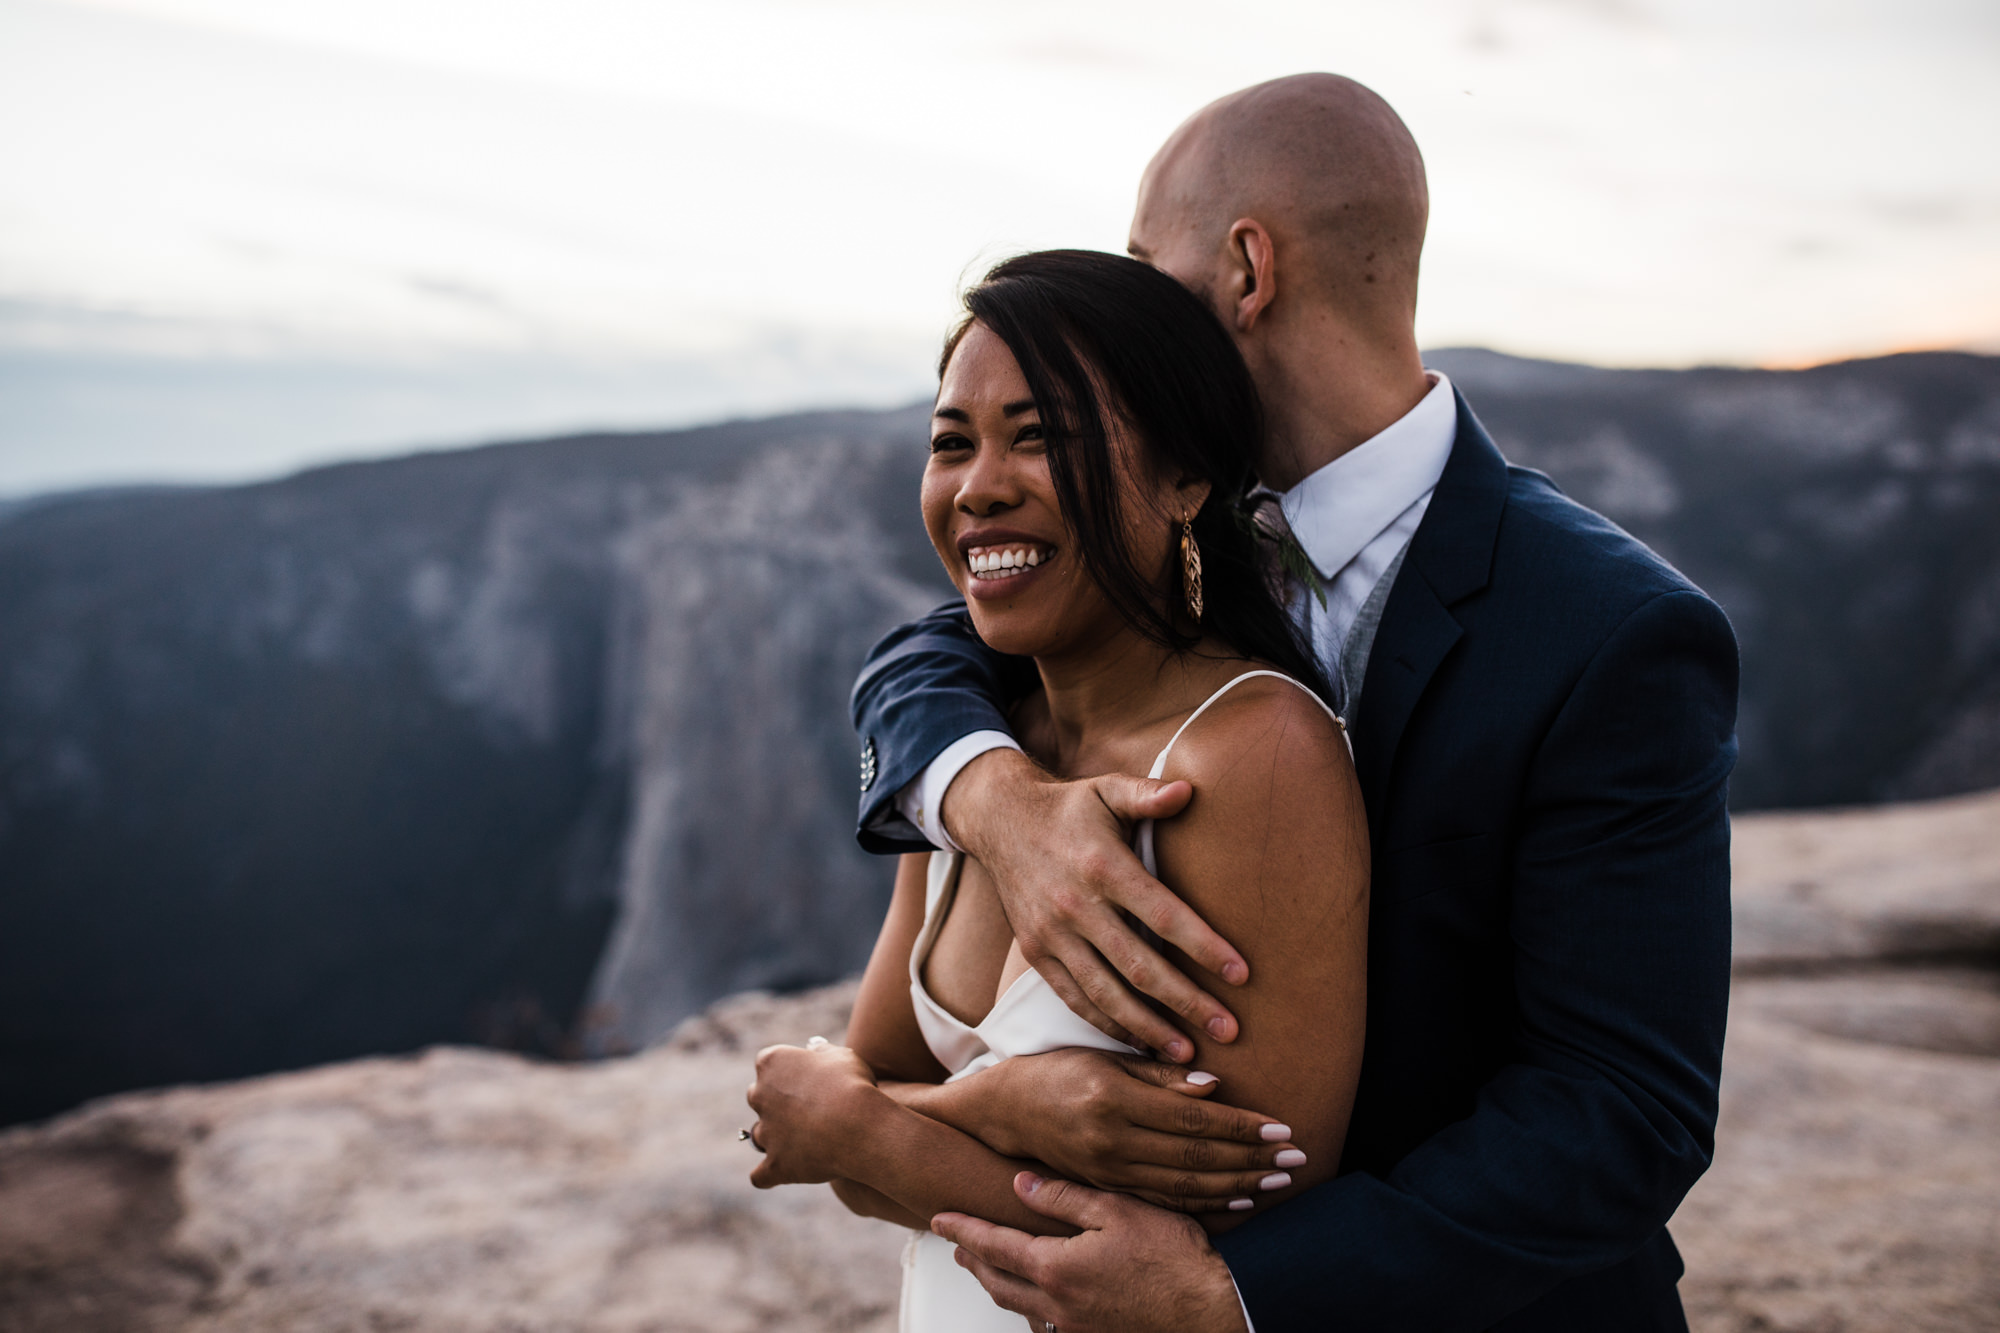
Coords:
1087,491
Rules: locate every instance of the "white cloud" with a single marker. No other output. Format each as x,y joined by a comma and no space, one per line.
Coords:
1626,181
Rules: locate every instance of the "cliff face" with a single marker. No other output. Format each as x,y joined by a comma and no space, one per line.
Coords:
436,748
545,745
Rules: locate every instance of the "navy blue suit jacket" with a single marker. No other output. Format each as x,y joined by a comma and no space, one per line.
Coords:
1544,740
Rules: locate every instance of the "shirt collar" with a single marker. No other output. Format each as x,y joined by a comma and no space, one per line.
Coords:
1339,509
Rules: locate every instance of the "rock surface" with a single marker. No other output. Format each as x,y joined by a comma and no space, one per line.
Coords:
1856,1185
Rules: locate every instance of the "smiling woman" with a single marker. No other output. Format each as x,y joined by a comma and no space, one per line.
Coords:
1113,396
1090,443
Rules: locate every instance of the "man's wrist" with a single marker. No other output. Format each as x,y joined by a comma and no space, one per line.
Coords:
934,785
969,793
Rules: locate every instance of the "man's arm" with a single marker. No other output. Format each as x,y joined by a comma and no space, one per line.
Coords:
924,686
1057,850
1578,1153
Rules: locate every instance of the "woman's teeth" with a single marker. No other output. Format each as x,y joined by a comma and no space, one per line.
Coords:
1004,562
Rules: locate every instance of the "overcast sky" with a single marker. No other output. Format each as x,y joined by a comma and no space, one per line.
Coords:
237,235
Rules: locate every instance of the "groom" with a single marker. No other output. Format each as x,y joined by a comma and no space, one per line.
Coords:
1542,714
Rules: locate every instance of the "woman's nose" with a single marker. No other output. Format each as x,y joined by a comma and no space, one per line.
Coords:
990,484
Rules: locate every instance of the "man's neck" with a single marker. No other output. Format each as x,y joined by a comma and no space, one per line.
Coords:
1330,396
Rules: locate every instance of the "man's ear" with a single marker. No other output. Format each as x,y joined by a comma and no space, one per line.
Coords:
1253,264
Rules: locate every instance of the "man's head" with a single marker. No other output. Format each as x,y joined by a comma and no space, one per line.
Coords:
1296,209
1327,170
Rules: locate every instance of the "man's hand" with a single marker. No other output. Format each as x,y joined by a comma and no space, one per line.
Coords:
806,1100
1133,1268
1058,853
1124,1123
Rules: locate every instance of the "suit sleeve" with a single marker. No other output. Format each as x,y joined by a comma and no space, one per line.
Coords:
925,685
1575,1155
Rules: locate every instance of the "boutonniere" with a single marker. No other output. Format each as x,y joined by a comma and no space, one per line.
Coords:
1274,536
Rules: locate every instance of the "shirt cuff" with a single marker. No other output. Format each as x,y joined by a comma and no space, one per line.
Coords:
923,799
1248,1323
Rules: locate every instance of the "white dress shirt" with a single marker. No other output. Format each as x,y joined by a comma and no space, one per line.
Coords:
1352,518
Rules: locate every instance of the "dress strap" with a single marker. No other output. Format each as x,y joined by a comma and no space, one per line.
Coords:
1142,836
1160,763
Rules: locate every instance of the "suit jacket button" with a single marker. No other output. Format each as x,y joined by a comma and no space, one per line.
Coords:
867,763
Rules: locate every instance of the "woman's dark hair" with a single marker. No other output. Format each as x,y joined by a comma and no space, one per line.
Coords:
1098,333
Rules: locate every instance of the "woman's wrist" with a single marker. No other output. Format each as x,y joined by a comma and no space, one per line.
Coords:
965,1105
876,1134
853,1120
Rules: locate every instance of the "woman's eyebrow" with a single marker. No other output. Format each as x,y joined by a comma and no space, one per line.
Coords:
952,414
1016,409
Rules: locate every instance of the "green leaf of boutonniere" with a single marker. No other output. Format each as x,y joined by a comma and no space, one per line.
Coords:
1292,557
1300,567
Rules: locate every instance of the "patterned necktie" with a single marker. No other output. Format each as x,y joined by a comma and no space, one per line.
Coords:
1287,571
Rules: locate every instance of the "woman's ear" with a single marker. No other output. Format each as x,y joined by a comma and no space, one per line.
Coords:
1190,494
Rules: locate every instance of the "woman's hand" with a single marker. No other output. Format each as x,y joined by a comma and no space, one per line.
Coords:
1132,1125
810,1104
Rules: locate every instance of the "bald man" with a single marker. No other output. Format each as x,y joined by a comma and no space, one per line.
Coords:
1543,718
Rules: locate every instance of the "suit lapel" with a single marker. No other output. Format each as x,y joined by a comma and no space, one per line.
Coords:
1450,559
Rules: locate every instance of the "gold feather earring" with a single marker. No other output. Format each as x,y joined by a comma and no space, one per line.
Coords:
1191,569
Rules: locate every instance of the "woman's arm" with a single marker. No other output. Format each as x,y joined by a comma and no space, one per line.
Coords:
865,1202
1273,852
821,1116
1119,1123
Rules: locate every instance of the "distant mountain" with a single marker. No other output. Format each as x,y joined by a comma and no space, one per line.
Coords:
545,744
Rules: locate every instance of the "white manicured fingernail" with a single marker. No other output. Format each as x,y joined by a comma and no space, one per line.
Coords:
1289,1157
1275,1133
1277,1180
1200,1080
1241,1205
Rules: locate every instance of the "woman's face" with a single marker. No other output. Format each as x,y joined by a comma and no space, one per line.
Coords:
990,507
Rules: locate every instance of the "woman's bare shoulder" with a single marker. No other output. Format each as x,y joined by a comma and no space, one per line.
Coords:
1263,718
1266,761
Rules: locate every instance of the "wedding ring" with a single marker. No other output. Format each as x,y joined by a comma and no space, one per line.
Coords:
817,1043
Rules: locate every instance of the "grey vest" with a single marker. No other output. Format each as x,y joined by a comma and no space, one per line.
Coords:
1361,638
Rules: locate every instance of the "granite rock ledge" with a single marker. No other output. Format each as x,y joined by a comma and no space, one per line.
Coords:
1856,1184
